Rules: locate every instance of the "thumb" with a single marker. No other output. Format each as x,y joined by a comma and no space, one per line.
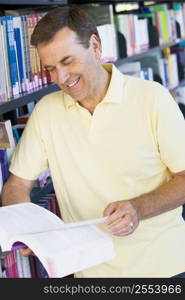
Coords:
25,251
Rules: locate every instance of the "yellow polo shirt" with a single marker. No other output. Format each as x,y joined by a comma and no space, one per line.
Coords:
128,147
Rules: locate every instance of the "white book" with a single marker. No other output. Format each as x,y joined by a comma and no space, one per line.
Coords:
19,264
125,30
25,266
179,18
144,36
173,71
62,248
5,68
11,139
1,273
3,94
108,43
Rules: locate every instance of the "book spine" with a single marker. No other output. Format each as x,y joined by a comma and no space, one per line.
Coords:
9,91
26,267
4,164
12,55
3,95
26,53
19,264
20,51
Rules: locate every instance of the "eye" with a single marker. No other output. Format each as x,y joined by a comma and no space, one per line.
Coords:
50,69
67,61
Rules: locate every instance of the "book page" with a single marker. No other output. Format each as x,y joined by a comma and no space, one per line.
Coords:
25,218
63,252
62,248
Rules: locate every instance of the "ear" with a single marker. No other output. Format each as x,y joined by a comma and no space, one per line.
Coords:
96,46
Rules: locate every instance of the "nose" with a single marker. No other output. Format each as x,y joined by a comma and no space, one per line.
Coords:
62,75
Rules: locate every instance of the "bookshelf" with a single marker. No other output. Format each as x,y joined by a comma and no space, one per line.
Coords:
33,2
27,98
38,93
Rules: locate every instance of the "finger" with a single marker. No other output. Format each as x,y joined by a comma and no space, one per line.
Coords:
121,224
25,251
114,218
125,231
117,212
110,209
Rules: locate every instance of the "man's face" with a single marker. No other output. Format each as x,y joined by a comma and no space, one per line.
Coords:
71,66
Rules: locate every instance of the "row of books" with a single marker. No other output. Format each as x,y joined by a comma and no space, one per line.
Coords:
9,137
151,26
20,65
19,62
166,67
15,265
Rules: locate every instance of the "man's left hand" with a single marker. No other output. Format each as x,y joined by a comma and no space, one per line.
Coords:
122,219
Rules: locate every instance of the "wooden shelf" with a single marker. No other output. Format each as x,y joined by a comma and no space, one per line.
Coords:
33,2
24,99
148,51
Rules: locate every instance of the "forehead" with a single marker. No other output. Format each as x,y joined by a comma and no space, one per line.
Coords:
65,42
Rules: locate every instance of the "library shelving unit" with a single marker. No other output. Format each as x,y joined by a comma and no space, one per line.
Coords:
39,92
6,108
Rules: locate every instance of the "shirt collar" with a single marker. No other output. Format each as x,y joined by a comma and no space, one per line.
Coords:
113,94
115,90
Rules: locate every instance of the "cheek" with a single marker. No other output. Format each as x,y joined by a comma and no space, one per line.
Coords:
53,76
88,80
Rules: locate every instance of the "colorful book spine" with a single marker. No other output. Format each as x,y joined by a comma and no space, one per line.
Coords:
12,55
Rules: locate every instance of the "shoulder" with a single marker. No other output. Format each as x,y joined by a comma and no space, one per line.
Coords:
147,91
142,85
50,101
48,108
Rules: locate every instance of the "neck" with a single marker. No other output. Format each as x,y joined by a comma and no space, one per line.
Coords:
91,103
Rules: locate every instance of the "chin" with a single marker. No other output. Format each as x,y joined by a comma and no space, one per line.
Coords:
78,98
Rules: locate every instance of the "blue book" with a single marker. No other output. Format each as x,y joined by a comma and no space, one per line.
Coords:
19,55
4,164
12,54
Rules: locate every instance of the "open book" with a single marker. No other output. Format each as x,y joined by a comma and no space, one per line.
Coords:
62,248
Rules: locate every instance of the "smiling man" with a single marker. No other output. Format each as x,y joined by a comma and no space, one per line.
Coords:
115,147
76,69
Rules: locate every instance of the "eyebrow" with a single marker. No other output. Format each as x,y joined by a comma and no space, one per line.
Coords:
61,61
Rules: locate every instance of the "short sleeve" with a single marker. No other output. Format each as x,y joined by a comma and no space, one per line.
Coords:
170,131
29,158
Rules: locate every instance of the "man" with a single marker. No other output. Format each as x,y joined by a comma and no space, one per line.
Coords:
115,147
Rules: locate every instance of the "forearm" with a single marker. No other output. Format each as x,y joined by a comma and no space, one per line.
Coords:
165,198
16,190
12,194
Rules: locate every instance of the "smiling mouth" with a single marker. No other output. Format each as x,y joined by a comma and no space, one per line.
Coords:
73,84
